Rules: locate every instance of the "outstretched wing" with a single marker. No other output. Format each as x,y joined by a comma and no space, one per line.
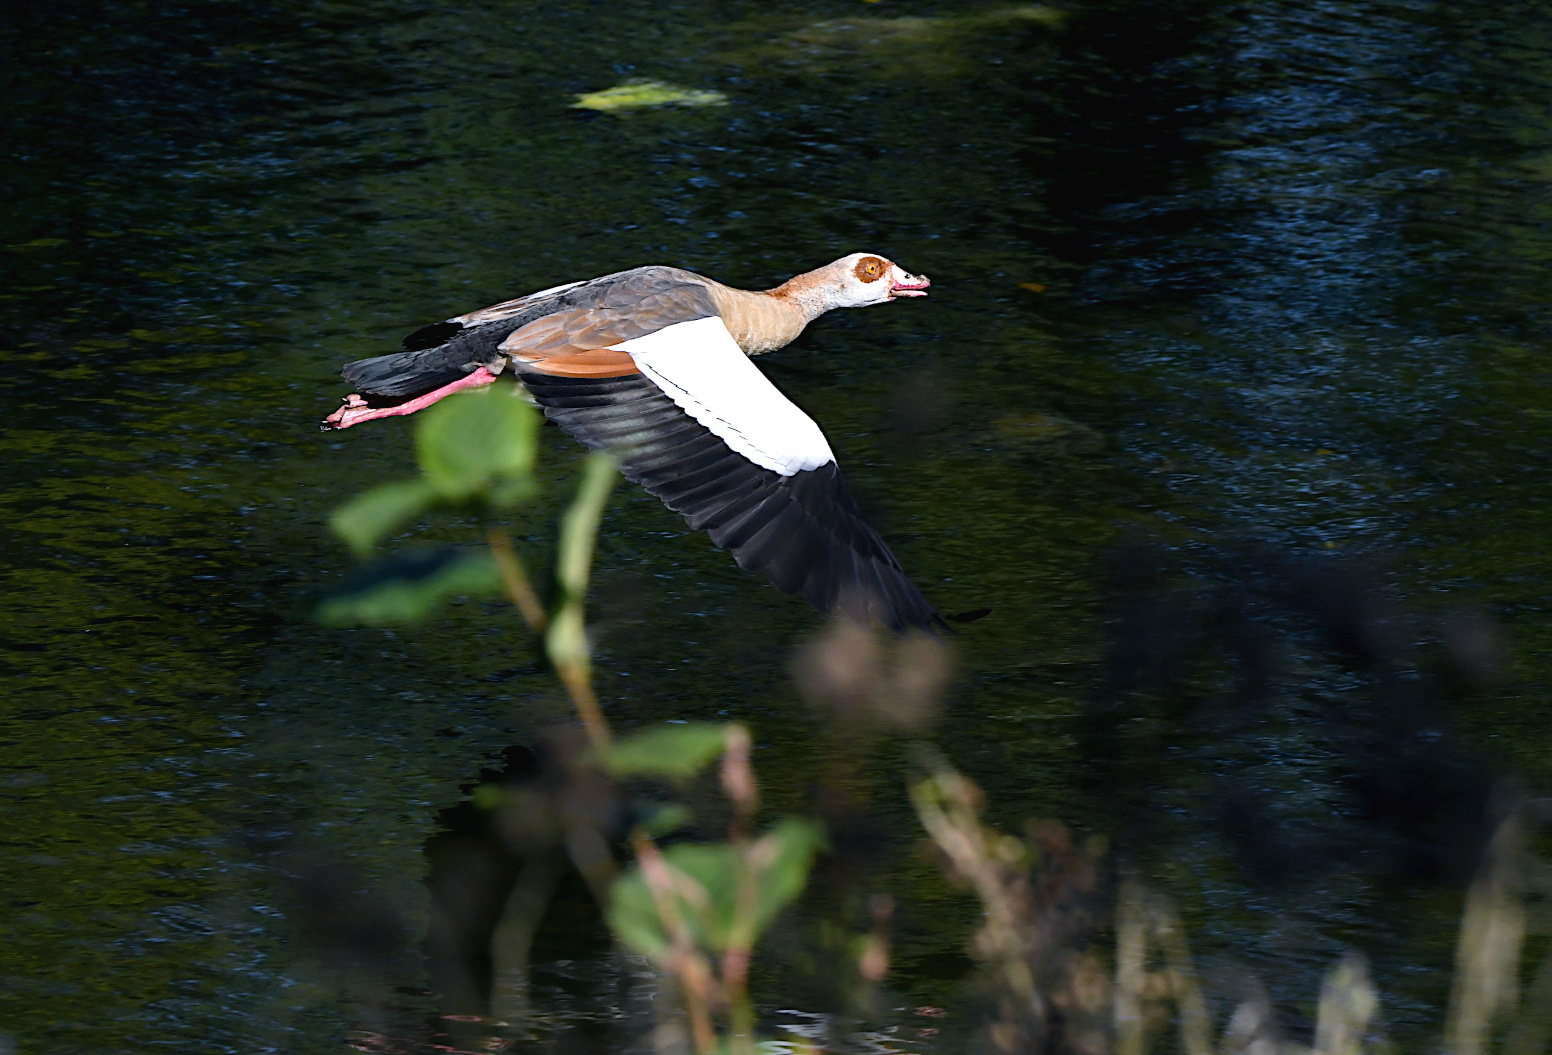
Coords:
697,424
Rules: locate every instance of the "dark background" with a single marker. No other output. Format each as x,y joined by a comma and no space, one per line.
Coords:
1254,484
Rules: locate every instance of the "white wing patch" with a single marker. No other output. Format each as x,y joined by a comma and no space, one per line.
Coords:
554,289
701,368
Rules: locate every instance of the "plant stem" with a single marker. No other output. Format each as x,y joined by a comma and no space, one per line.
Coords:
1131,969
519,588
580,687
735,962
691,967
739,785
566,640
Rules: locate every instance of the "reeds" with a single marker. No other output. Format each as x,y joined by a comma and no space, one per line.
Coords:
1051,997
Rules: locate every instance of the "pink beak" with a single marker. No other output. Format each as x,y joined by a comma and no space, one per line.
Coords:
912,286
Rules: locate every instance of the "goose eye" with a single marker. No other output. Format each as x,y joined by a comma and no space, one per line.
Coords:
869,269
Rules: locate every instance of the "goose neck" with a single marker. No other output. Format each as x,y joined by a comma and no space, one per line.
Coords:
803,296
761,321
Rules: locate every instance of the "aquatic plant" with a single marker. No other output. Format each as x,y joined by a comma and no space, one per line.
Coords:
643,95
696,910
1053,992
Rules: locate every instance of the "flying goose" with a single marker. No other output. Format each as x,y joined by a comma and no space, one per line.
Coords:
652,364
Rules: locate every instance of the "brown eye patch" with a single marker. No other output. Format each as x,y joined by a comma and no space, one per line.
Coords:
871,268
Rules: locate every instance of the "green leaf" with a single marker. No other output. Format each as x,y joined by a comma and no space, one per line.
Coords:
404,589
504,494
705,894
663,818
633,917
487,797
677,752
365,519
781,860
479,444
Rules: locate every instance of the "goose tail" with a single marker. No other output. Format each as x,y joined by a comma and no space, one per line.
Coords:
433,357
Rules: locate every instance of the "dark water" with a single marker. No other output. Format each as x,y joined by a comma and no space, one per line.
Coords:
1293,259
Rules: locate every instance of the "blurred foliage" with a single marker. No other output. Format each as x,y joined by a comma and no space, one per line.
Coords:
481,447
566,635
405,589
482,452
1055,990
723,895
369,516
681,907
476,451
677,752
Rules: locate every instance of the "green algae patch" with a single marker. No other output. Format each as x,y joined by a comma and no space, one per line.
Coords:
643,95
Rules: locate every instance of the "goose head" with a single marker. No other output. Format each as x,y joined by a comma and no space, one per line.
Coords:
861,279
853,281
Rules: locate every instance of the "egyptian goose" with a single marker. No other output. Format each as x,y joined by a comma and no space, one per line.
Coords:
653,365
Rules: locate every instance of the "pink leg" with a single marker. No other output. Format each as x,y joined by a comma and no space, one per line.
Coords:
355,410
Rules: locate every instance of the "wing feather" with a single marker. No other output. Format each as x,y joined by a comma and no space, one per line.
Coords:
802,529
699,366
598,312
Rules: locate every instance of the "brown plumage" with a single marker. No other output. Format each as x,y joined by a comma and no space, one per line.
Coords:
651,365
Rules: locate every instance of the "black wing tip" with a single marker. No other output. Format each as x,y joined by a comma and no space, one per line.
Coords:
968,616
803,532
894,603
929,621
433,336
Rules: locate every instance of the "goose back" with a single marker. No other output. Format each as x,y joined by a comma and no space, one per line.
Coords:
627,303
